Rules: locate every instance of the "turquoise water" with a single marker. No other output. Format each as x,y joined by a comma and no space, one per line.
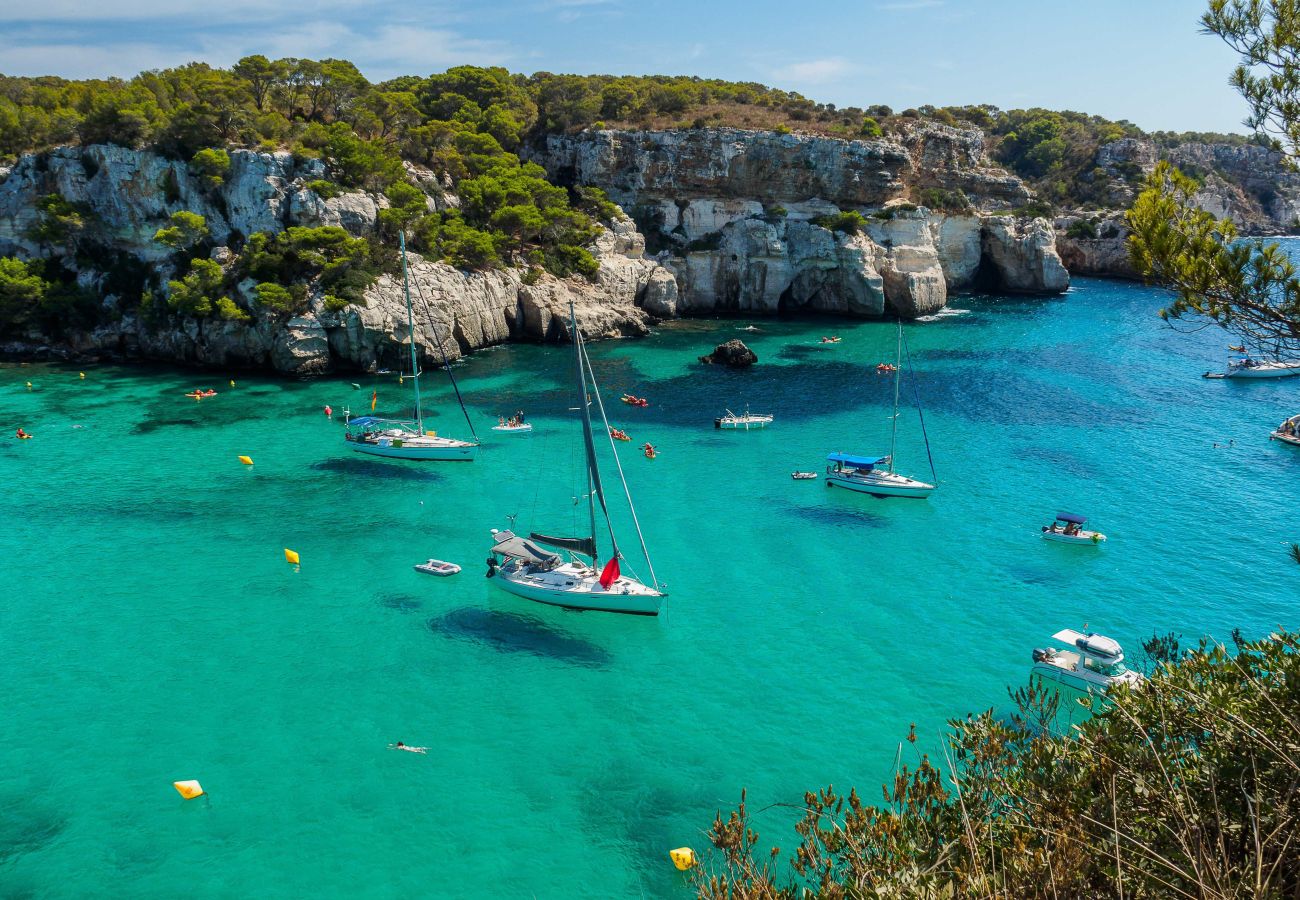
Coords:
151,630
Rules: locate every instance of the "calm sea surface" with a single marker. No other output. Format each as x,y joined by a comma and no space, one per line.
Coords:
151,631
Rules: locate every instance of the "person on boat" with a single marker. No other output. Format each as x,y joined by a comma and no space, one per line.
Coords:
519,417
409,749
21,435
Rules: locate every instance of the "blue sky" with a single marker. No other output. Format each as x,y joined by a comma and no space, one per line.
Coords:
1142,60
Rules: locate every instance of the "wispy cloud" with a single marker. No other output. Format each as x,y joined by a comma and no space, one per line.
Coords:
381,52
815,71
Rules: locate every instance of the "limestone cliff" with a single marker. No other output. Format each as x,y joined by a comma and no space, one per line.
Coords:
127,195
734,215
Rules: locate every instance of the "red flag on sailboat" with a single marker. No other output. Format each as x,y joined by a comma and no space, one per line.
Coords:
610,573
374,398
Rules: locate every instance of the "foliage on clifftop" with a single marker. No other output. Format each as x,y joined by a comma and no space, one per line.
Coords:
469,122
1186,787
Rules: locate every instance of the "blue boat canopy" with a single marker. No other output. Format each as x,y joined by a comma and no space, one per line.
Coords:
363,421
857,462
1070,517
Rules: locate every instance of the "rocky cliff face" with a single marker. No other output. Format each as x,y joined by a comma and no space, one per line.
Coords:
1254,186
1095,245
733,215
128,195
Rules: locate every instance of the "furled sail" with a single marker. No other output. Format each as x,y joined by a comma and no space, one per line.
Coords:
584,545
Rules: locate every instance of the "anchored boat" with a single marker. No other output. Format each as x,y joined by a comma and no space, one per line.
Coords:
1091,662
863,473
1288,432
1068,529
437,567
1247,366
533,568
407,438
746,422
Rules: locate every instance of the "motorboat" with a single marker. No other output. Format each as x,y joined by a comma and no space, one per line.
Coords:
1288,432
512,426
1090,662
532,567
803,476
861,473
437,567
1068,529
864,473
408,438
745,422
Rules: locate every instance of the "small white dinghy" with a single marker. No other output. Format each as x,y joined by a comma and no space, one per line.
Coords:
437,567
803,476
513,429
1068,529
1288,432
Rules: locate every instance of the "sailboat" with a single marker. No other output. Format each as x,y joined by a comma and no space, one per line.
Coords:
533,568
864,473
407,439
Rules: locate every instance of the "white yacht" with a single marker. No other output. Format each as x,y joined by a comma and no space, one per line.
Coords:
532,568
743,423
1089,662
407,438
863,473
860,473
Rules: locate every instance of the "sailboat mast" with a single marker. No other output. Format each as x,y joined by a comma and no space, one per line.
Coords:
597,492
898,372
410,326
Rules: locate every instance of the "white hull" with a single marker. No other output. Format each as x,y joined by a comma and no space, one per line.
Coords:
740,425
507,429
1264,370
573,586
1285,438
1091,538
444,450
1086,683
881,484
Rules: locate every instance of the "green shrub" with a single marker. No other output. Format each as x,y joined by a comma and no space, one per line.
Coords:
326,190
1082,229
275,297
945,201
336,304
870,128
212,166
782,128
186,231
848,222
197,293
228,310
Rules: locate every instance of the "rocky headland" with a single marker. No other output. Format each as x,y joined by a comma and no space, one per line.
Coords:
717,221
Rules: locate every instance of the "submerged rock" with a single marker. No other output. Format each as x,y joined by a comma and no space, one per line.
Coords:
733,353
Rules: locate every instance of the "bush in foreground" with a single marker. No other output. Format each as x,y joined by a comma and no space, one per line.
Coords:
1186,787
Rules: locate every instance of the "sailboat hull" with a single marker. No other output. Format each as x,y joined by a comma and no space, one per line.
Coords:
449,451
880,484
565,588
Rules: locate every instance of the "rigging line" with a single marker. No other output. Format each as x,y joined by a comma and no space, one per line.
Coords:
916,392
433,326
617,464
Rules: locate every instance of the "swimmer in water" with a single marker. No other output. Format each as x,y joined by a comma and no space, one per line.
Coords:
409,749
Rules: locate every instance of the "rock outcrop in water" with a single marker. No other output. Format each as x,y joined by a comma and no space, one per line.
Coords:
738,216
733,353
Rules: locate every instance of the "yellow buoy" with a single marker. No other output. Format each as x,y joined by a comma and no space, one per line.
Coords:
29,385
188,789
246,460
683,858
290,556
82,374
232,382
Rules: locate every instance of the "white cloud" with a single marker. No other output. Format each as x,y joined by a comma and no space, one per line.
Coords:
816,71
381,53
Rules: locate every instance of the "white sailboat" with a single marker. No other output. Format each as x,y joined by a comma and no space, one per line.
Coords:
407,439
863,473
533,568
746,422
